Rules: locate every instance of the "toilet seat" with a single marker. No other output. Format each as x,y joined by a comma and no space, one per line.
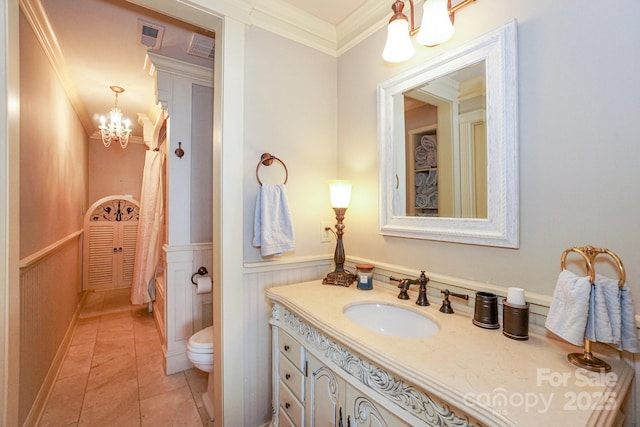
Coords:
201,341
200,349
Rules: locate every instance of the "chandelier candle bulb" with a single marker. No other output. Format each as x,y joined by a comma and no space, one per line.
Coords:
364,275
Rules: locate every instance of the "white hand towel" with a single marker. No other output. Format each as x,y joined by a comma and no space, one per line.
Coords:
569,309
273,228
611,315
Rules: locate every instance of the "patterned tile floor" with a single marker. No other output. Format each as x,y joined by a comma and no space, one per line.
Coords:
112,374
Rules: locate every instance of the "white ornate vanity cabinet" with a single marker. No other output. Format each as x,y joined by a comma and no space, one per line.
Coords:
320,383
329,371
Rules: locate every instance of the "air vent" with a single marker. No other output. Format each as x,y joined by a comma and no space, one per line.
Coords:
150,34
201,46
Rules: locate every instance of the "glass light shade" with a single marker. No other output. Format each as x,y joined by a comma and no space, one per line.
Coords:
436,24
340,192
399,46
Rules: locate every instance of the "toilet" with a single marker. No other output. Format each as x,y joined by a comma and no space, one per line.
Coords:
200,349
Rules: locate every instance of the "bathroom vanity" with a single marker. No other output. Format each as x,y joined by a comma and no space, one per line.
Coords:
331,370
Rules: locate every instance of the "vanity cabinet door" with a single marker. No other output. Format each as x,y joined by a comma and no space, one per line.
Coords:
324,393
361,411
332,402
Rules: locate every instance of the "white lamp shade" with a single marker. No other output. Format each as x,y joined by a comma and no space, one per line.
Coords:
436,24
340,192
399,46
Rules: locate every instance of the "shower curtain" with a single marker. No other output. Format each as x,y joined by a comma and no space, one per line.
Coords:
150,229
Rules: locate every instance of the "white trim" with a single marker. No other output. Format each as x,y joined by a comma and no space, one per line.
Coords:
9,212
96,137
285,20
42,398
228,296
32,259
287,264
155,62
365,21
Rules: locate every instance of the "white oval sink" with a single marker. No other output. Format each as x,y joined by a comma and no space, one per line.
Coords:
391,320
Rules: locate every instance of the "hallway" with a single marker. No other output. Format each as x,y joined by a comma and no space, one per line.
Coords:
112,374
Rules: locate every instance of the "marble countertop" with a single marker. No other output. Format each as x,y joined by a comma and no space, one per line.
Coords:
498,380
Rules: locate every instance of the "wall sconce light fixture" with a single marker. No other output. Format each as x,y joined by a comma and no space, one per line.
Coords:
340,192
436,27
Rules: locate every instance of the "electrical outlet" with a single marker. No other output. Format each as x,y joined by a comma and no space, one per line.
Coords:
325,235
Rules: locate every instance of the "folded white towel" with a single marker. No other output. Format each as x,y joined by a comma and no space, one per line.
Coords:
611,315
273,228
569,309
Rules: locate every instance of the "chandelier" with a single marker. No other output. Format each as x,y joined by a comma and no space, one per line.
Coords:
117,129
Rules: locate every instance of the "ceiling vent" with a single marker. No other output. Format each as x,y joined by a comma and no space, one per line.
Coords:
201,46
150,34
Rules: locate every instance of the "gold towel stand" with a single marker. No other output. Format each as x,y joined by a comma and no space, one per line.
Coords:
587,360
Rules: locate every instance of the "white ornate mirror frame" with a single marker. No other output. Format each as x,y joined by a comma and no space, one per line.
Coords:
498,49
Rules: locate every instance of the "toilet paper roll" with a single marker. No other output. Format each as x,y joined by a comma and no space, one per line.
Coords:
203,284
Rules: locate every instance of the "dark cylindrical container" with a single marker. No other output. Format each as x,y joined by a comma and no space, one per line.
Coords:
515,321
486,311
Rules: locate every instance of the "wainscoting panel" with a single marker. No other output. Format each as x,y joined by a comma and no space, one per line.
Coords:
257,332
50,291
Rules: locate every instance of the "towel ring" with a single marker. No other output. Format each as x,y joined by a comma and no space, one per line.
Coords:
587,360
267,159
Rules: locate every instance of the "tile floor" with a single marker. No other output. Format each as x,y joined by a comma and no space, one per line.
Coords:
112,374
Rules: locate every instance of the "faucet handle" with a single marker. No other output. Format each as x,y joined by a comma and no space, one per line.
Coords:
403,285
446,304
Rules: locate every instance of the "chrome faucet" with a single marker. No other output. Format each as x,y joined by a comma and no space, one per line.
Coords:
404,285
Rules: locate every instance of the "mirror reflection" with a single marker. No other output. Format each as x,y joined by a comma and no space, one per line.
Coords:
442,159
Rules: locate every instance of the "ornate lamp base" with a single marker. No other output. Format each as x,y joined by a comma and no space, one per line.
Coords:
339,278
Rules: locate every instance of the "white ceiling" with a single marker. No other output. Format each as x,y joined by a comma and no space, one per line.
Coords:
99,45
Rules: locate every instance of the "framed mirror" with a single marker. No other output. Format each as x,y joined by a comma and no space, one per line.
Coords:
448,145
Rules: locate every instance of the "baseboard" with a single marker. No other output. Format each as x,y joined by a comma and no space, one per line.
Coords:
40,402
176,362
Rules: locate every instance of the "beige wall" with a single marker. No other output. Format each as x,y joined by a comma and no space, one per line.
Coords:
53,193
115,170
290,112
578,105
53,153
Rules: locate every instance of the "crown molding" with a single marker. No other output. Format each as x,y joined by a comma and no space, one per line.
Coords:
200,12
96,137
366,20
37,18
155,62
290,22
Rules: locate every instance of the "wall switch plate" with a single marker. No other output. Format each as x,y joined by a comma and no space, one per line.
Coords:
325,235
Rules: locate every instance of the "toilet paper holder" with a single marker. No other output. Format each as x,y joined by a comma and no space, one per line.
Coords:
201,272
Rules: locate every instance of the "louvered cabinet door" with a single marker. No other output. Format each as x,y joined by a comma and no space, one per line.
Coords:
111,233
100,260
128,233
